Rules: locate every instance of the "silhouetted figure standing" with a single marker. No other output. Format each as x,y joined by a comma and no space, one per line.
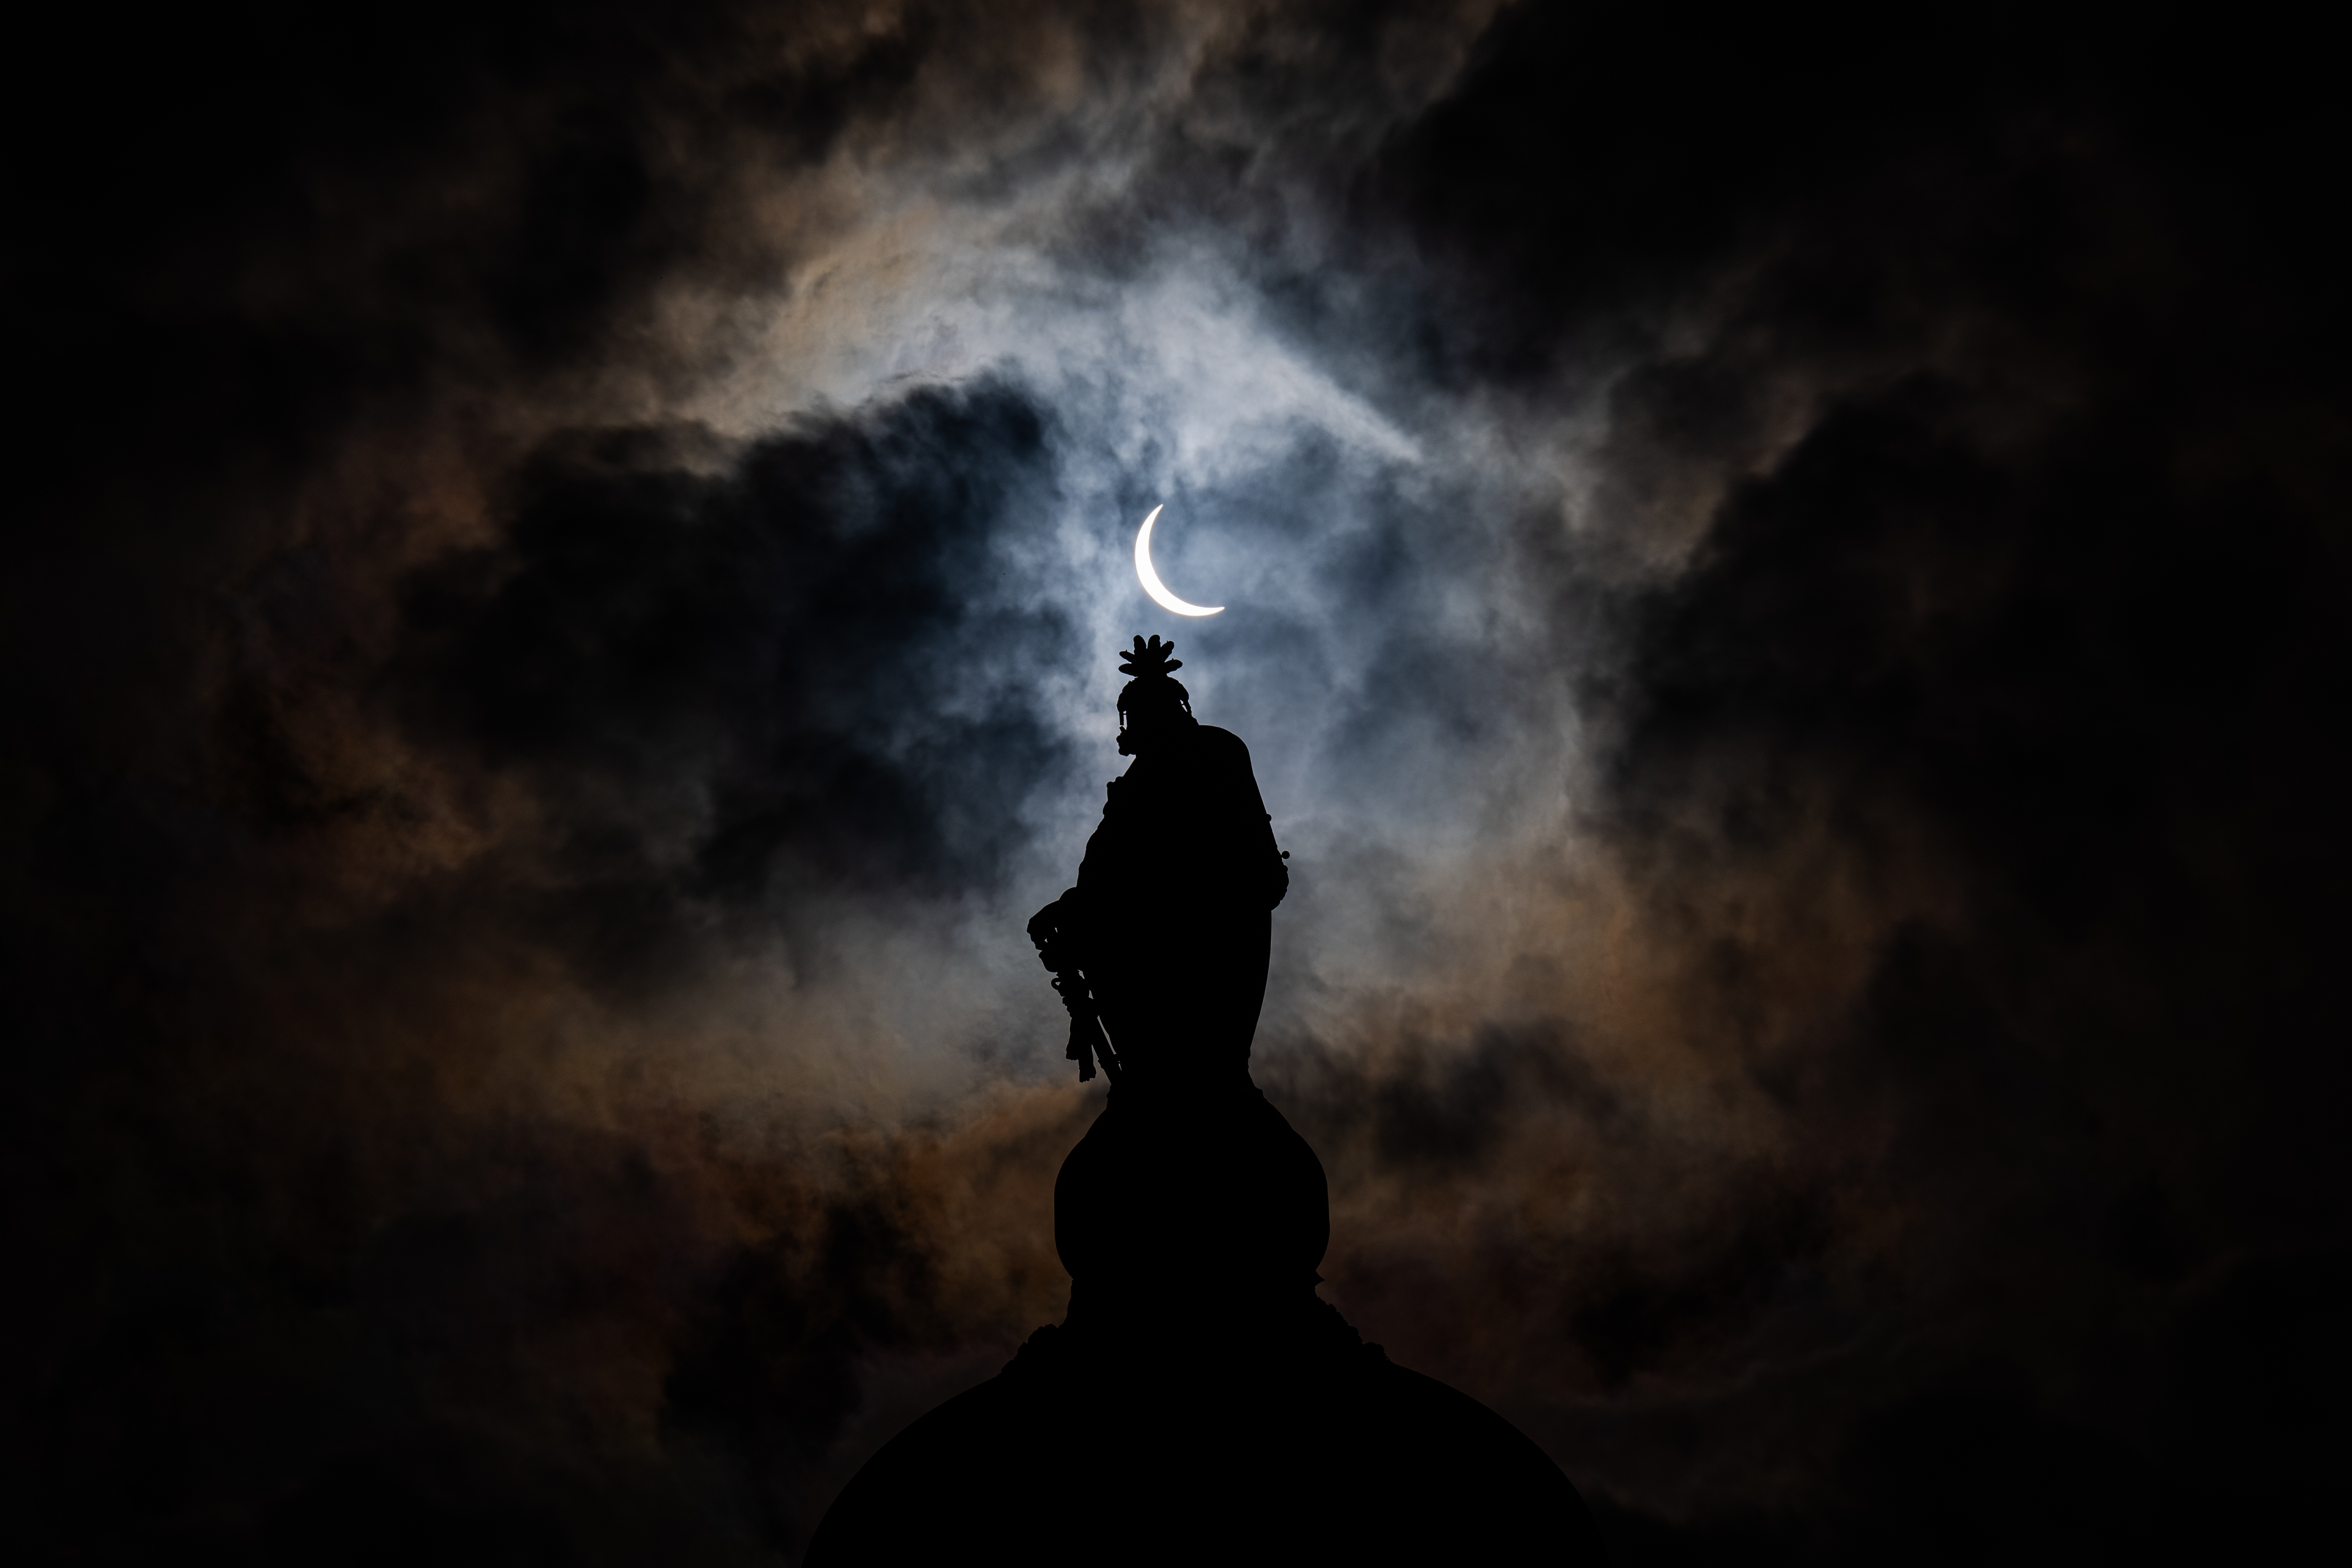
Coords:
1171,919
1201,1402
1191,1184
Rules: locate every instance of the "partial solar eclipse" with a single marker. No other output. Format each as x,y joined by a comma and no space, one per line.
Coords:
1151,579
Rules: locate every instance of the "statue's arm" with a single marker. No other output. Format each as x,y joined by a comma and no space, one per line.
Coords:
1060,930
1251,826
1265,852
1053,932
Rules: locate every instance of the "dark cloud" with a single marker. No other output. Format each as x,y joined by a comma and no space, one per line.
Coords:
1989,624
1788,585
790,660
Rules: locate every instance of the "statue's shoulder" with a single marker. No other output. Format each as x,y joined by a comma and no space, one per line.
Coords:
1223,744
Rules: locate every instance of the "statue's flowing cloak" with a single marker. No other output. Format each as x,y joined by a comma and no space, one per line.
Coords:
1172,916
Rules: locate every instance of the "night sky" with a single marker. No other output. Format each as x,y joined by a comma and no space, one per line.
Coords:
1789,581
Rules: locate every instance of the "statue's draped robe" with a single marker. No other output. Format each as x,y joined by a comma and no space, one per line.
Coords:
1172,916
1191,1181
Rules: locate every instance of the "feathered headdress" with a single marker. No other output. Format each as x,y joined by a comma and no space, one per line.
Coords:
1152,687
1144,662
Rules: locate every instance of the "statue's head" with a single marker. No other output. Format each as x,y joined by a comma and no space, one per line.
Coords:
1153,704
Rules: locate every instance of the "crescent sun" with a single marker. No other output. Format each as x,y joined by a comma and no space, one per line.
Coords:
1151,583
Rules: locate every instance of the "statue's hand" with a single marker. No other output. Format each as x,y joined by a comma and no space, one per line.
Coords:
1043,926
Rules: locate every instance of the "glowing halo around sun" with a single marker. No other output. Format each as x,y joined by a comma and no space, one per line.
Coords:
1151,579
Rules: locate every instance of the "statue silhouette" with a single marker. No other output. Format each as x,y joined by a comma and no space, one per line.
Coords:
1171,920
1199,1401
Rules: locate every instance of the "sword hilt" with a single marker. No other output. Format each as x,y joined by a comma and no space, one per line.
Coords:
1088,1037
